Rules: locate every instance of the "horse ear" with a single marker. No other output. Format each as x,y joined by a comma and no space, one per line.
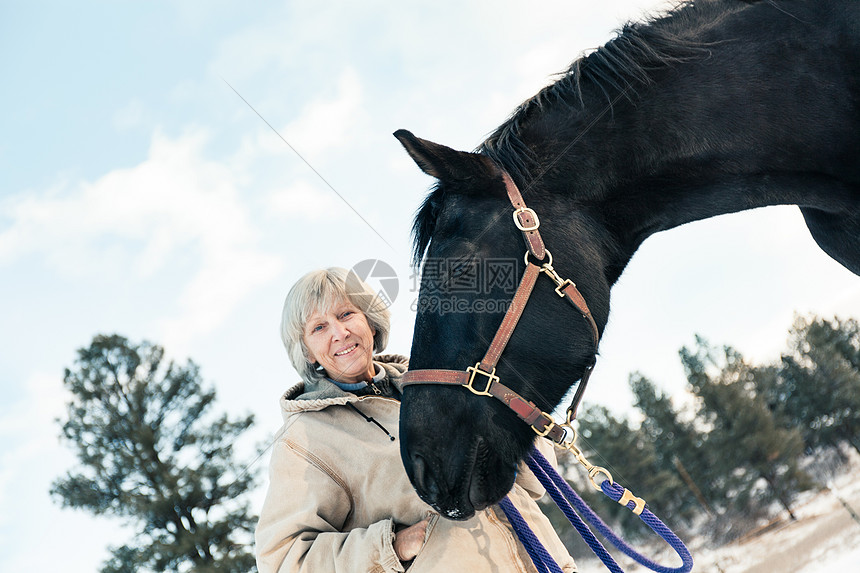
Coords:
442,162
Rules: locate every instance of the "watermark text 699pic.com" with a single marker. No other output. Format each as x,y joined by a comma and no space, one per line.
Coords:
464,285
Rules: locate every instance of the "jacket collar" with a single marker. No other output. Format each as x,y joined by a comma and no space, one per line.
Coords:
312,395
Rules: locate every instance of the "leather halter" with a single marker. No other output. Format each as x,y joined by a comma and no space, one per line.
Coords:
528,223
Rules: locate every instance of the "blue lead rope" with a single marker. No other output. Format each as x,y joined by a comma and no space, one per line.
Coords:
540,556
568,500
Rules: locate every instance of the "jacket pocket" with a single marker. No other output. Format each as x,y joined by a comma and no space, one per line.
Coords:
428,537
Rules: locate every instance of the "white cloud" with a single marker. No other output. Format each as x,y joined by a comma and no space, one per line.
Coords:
220,285
323,125
303,201
32,430
134,220
264,47
329,123
28,466
131,115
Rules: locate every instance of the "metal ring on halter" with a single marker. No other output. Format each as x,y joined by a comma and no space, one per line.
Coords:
565,442
526,258
592,473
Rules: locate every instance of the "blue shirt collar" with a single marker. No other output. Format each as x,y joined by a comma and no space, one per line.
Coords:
380,374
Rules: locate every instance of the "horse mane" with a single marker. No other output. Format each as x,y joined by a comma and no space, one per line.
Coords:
617,69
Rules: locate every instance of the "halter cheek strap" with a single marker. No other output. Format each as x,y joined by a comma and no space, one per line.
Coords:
481,378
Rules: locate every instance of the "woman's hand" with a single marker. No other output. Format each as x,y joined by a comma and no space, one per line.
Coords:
409,541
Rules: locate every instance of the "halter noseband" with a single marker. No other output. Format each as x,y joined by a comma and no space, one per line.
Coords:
542,423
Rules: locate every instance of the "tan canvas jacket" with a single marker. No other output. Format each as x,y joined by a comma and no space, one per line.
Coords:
338,490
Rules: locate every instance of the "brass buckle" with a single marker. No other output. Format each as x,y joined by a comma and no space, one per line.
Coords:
548,427
491,377
520,225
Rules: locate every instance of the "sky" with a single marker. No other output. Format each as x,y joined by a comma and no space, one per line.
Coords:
140,195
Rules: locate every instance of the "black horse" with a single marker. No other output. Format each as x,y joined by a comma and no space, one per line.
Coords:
715,107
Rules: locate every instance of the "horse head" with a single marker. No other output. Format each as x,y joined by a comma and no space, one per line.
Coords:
696,113
461,450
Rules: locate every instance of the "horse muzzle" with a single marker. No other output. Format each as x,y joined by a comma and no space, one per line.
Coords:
456,484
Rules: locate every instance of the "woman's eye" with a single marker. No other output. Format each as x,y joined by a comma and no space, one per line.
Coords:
317,328
347,314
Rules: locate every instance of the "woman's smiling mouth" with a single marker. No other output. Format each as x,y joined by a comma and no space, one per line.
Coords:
347,350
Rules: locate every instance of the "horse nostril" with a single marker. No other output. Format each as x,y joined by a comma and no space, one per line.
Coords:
423,478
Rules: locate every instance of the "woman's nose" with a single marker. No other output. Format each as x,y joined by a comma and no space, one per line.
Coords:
339,331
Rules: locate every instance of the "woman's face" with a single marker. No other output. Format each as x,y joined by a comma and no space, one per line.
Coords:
340,339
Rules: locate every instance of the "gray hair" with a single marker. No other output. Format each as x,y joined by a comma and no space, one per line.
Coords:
322,289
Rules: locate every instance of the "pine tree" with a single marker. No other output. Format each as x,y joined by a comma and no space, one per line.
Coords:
745,435
149,454
819,386
678,445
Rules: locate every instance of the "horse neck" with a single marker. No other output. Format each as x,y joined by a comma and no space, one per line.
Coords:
679,153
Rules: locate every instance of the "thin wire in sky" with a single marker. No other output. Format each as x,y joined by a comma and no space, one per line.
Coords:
318,174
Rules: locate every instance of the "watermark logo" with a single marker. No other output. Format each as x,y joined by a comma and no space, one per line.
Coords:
377,274
490,276
447,285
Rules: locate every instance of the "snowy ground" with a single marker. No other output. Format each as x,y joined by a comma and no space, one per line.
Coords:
824,539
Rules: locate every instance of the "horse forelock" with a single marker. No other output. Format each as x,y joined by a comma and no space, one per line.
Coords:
424,224
621,66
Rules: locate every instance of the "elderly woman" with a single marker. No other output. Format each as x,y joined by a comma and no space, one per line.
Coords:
339,498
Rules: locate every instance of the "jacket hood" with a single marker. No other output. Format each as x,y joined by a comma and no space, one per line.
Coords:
316,395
